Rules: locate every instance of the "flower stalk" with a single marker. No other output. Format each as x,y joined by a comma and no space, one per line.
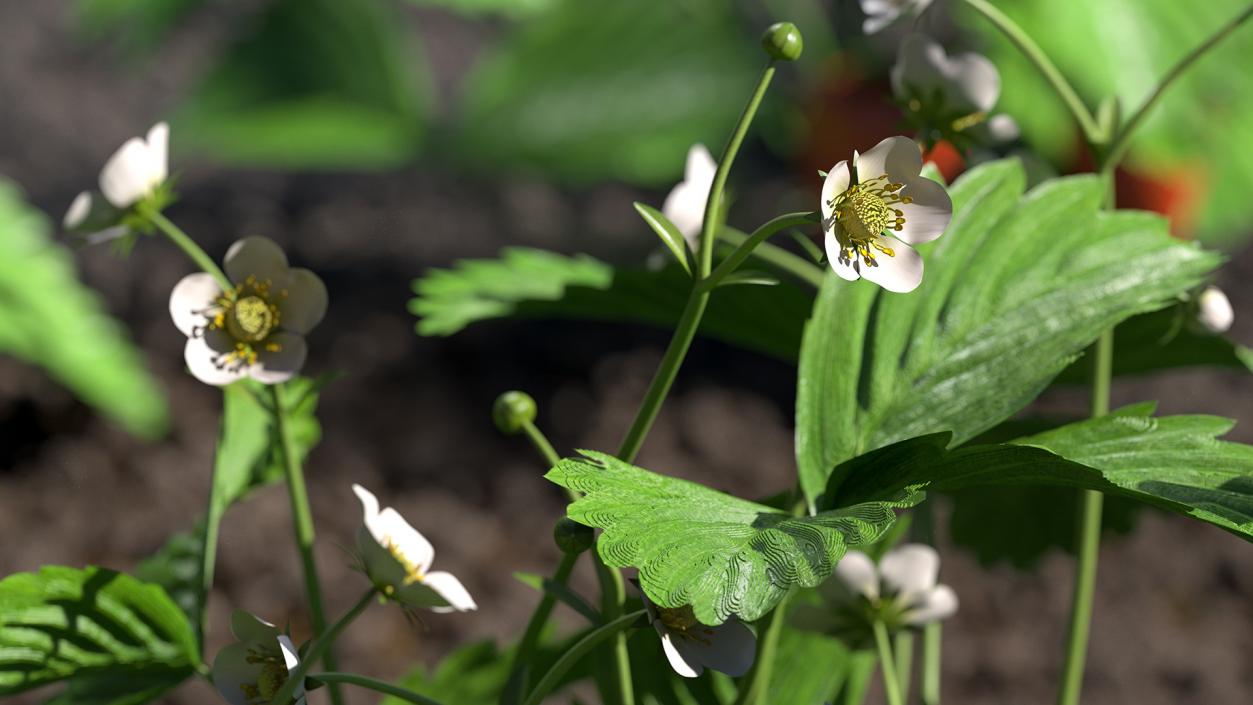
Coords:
576,652
188,246
887,664
320,648
376,685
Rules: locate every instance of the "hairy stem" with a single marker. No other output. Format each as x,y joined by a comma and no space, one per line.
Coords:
320,647
375,685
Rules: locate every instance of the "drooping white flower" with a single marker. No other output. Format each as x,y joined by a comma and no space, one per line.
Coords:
691,646
252,670
398,560
902,589
1214,311
685,205
881,13
963,83
256,329
882,191
137,168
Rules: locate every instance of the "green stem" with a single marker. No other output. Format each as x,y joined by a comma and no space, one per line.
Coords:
208,556
375,685
757,685
613,597
189,247
745,248
540,441
320,647
931,643
1036,56
576,652
904,654
780,259
891,685
302,523
1121,142
516,686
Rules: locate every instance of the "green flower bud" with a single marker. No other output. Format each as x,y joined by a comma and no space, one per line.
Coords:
512,411
573,537
782,41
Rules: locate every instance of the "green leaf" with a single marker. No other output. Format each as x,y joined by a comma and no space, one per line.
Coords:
809,667
1015,290
96,629
314,84
49,319
537,284
669,234
176,568
696,546
1173,462
591,90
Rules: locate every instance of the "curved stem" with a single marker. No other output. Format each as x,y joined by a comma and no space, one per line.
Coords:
1121,142
576,652
613,597
780,259
320,647
189,247
516,685
541,444
891,686
375,685
302,523
754,690
745,248
1036,56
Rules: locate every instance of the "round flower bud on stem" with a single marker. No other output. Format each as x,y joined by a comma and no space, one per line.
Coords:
782,41
512,411
573,537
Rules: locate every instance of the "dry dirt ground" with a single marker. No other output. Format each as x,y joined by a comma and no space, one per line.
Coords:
1174,616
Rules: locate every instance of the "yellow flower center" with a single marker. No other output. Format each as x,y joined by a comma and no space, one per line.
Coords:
413,573
251,319
249,314
270,678
864,211
681,622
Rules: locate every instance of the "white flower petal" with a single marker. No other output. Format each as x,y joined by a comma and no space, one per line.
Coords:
232,670
278,366
128,175
976,81
731,649
879,7
917,71
382,567
291,660
1214,311
77,213
938,603
858,574
448,587
875,23
835,184
369,507
107,235
927,215
405,539
897,157
700,167
901,273
305,304
910,569
249,627
685,204
681,659
158,152
1002,128
200,355
845,270
259,257
192,295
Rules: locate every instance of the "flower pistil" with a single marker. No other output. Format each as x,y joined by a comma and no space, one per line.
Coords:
864,211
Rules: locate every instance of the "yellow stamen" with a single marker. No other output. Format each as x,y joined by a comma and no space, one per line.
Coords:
864,211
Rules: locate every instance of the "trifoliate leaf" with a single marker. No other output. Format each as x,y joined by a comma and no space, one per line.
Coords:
1014,291
49,319
696,546
111,638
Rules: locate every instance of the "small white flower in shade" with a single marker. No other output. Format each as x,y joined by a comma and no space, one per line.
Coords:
902,587
881,13
137,168
959,88
691,646
398,561
1214,311
95,220
685,205
253,669
882,191
255,329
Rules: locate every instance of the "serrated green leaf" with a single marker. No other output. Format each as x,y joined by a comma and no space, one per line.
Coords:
667,232
1173,462
608,89
1014,292
93,628
530,283
696,546
314,84
176,568
49,319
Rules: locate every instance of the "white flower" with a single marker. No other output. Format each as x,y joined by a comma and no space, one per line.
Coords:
137,168
691,647
881,13
964,84
252,670
98,222
257,328
1214,311
882,191
685,205
398,560
902,587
